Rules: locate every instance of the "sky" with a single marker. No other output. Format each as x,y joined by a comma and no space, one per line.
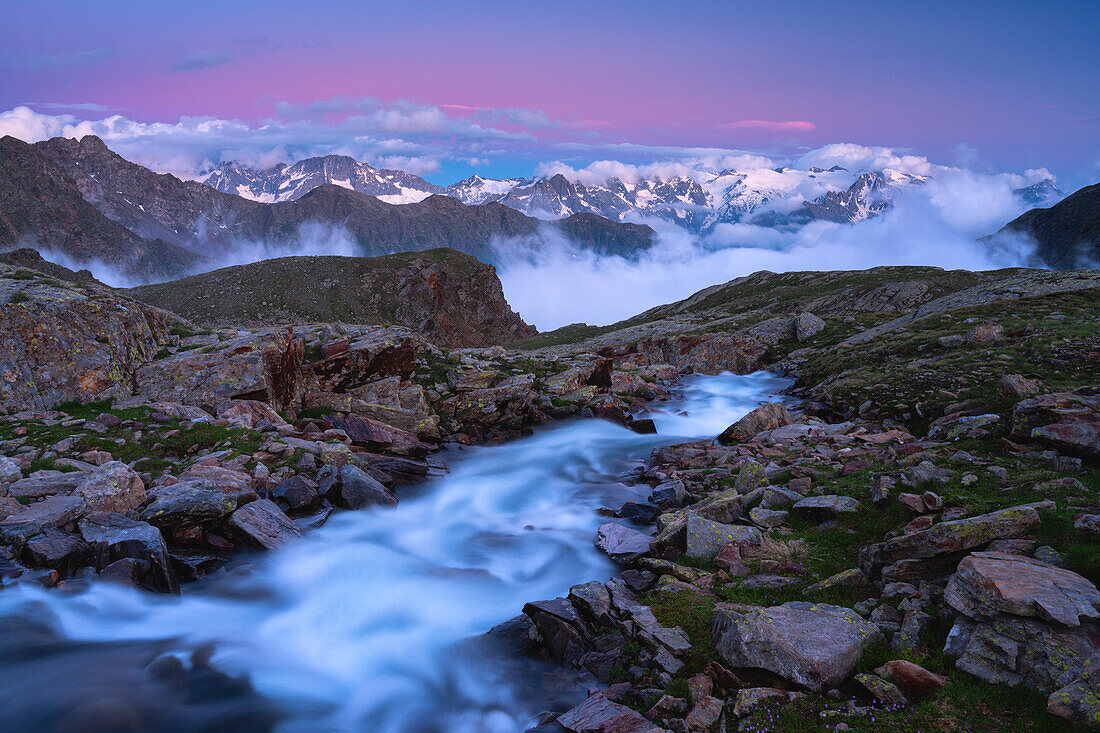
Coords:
445,89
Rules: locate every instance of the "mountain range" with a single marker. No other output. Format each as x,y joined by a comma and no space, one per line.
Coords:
80,199
765,196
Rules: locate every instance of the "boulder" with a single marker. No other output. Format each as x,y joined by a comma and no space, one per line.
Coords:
766,417
377,435
622,544
883,691
1079,701
296,493
45,483
56,549
597,714
750,476
988,584
946,538
825,507
114,537
560,628
188,503
807,325
9,471
356,489
1069,421
37,518
235,484
262,524
814,645
704,538
112,487
250,414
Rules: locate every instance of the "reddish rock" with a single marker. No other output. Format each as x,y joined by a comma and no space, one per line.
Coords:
914,677
766,417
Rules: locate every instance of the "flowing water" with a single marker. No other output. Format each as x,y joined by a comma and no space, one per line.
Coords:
373,622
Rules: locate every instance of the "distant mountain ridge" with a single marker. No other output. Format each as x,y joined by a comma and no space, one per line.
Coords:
80,199
1066,235
767,197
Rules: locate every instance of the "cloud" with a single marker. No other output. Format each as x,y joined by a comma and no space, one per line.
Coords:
935,225
860,157
790,126
202,60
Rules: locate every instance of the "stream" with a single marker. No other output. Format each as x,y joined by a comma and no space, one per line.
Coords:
375,621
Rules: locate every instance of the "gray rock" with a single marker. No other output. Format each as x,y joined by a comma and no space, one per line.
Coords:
777,497
622,544
597,714
112,487
767,518
1079,701
807,325
37,518
814,645
56,549
988,584
825,507
705,538
262,524
114,537
669,493
356,489
9,471
187,503
44,483
296,493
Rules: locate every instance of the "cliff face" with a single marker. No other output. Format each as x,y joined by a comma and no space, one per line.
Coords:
450,298
70,341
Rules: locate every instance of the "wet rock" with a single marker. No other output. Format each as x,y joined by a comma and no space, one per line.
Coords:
766,417
825,507
637,513
262,524
37,518
814,645
949,537
669,493
112,487
597,714
296,493
987,584
114,537
704,538
55,549
195,565
560,628
622,544
356,489
593,602
518,635
188,503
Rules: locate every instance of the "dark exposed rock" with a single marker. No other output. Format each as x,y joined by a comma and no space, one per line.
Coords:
263,525
114,537
766,417
187,503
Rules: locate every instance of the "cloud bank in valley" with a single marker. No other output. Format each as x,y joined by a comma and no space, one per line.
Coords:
936,224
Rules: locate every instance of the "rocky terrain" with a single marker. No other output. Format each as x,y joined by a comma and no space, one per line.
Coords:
82,200
907,541
448,297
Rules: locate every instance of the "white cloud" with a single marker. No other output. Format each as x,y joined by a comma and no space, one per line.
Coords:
862,157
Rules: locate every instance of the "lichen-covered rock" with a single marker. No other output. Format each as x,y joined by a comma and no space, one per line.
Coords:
704,538
61,341
1079,701
814,645
949,537
112,487
987,584
825,507
188,503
